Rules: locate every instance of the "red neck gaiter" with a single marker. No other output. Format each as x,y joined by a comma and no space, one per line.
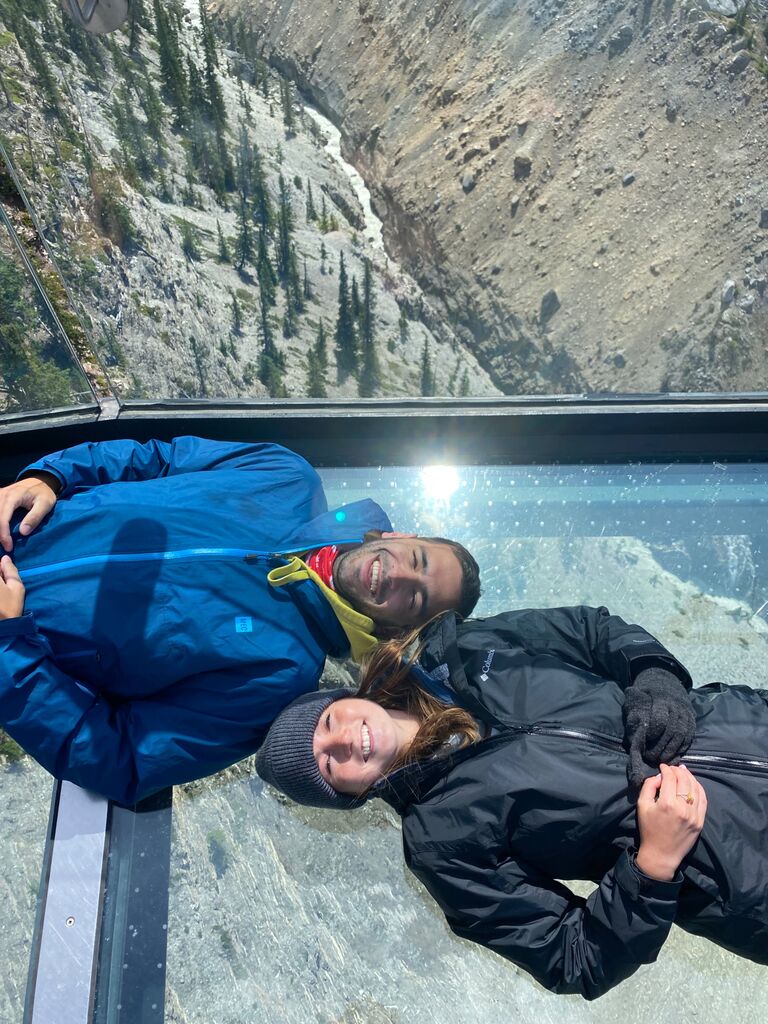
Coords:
321,561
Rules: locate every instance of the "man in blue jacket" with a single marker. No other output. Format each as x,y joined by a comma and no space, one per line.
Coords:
179,595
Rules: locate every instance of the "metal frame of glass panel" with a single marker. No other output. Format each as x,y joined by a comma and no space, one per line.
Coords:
406,431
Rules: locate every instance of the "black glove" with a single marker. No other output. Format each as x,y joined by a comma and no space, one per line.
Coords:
659,723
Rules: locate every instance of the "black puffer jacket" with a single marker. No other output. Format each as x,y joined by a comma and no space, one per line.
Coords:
489,829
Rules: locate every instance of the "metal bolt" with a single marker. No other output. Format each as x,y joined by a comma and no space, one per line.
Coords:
69,922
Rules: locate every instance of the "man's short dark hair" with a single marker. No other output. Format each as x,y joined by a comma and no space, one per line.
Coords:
470,575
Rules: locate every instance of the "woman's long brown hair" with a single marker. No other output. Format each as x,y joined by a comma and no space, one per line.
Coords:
387,681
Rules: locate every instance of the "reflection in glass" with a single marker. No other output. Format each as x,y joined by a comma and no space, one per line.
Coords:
25,798
37,367
288,914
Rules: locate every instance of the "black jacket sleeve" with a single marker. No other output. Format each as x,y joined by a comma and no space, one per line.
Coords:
589,638
570,945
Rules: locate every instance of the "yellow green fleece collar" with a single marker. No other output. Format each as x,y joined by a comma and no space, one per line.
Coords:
358,627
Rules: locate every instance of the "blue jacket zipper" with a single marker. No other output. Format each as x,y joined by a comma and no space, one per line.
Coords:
247,554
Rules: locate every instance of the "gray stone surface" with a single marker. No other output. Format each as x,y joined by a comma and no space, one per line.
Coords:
25,797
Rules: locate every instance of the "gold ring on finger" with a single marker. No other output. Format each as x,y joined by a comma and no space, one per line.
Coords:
688,797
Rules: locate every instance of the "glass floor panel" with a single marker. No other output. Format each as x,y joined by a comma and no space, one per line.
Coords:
289,915
25,800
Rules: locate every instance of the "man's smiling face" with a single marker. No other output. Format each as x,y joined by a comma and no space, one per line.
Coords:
399,580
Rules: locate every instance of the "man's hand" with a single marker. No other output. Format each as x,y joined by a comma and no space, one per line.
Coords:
35,493
11,590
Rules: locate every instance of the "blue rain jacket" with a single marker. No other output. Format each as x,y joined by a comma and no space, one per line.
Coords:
153,650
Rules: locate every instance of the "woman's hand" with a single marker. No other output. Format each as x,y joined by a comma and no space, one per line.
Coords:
11,590
37,494
670,815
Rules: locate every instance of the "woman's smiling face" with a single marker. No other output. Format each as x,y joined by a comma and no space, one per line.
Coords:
356,742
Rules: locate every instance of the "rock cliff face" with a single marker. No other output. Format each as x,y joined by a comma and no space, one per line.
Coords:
149,245
577,180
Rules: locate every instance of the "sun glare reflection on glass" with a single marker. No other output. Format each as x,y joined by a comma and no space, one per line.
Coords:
439,482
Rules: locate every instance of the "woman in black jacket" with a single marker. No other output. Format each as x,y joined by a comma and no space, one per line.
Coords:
504,752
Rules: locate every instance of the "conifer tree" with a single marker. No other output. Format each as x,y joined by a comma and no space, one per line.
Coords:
323,216
203,158
261,72
245,103
189,196
189,244
354,302
369,373
237,314
244,243
214,96
265,271
321,346
284,231
51,97
427,375
198,102
224,256
164,192
266,329
138,22
289,318
153,111
263,213
171,64
464,388
208,39
294,281
83,44
323,257
244,164
315,385
317,365
311,211
450,389
286,97
225,161
134,137
4,86
271,362
346,342
199,353
307,287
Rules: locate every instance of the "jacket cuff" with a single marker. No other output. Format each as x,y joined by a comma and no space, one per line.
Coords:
644,659
22,625
43,467
639,885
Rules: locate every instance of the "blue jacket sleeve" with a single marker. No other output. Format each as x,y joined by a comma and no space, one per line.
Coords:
570,945
128,750
104,462
586,637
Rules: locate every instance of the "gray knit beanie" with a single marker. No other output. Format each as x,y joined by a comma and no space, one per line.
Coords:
285,759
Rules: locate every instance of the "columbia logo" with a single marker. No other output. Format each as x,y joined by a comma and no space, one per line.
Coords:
487,665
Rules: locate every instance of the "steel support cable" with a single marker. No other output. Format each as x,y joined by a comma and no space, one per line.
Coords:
109,404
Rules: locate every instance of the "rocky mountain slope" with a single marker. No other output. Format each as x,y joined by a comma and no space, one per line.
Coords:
581,184
135,201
